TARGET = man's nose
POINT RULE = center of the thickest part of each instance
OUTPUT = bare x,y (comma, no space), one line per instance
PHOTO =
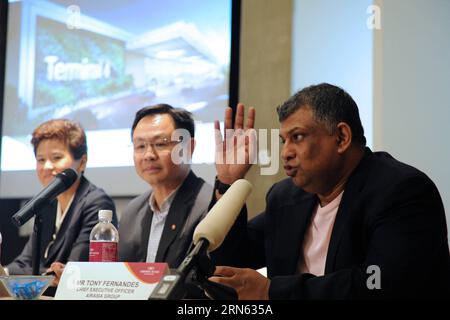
150,152
287,152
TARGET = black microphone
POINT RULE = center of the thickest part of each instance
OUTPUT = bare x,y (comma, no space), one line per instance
61,183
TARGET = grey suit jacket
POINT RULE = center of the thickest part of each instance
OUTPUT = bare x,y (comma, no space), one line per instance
72,240
135,223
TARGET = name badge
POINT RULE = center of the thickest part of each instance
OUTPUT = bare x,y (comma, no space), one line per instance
109,280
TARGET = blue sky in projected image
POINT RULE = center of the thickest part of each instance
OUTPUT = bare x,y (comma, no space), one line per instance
152,14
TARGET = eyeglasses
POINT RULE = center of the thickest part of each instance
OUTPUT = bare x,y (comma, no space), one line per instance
158,145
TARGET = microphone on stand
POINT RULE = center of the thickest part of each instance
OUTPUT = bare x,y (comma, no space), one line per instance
61,183
208,236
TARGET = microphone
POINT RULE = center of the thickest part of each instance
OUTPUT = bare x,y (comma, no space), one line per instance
208,236
61,183
218,222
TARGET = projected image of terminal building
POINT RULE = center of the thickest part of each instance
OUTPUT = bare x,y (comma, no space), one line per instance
99,73
98,62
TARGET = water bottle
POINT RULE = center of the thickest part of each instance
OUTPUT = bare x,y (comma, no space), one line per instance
104,239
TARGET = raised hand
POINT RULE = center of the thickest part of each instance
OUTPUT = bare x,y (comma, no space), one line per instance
238,150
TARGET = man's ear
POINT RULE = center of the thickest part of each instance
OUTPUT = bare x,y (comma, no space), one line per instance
190,151
344,137
192,146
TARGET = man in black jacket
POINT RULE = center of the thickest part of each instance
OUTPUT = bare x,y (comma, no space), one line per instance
348,223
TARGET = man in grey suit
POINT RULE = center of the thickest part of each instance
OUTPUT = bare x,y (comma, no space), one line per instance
158,225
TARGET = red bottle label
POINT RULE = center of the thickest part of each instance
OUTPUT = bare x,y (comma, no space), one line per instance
103,251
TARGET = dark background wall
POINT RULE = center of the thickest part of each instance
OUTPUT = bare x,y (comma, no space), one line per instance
12,243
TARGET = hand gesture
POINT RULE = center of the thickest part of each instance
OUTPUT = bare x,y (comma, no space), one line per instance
238,150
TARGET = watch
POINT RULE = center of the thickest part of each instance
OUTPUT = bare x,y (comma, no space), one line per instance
220,186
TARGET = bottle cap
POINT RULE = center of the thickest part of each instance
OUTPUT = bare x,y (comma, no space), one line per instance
105,214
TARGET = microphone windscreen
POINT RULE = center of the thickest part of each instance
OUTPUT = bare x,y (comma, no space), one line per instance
219,220
68,177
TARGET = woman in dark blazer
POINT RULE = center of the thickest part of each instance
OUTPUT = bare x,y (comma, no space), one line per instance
67,221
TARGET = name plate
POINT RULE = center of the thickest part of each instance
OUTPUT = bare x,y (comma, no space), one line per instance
109,280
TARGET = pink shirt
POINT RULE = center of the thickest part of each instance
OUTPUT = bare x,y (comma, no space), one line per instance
317,237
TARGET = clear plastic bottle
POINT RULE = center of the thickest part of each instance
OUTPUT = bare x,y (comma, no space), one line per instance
104,238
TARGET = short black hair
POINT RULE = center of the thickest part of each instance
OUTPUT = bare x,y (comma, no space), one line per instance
330,105
182,118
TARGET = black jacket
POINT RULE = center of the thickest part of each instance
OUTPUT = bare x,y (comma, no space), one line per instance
72,240
391,216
